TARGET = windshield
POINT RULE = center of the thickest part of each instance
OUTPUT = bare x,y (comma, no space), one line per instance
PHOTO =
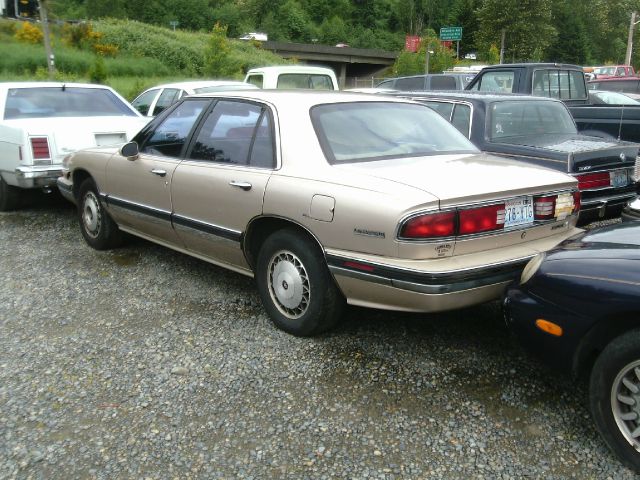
613,98
365,131
529,118
605,70
45,102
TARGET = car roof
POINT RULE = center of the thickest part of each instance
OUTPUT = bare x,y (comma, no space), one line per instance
192,84
307,98
482,97
290,68
51,85
534,65
614,79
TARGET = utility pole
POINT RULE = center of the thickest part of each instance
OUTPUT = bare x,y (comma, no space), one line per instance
502,47
42,7
627,57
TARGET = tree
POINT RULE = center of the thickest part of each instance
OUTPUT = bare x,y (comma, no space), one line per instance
464,14
106,8
571,45
218,61
333,31
527,25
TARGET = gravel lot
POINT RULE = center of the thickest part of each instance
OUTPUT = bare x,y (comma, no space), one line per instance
145,363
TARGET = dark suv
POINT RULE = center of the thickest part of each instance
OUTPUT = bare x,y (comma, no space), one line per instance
432,81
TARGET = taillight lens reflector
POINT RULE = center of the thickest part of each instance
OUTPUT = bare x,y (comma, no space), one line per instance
483,219
577,199
544,208
431,225
40,148
594,180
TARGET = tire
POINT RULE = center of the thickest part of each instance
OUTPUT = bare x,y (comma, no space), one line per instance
98,228
614,405
294,283
9,196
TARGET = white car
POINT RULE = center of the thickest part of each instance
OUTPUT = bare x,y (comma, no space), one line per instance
42,122
154,100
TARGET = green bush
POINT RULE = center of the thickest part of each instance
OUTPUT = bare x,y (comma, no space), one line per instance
144,51
180,51
98,72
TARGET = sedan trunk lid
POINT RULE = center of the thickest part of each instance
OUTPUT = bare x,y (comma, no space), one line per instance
467,178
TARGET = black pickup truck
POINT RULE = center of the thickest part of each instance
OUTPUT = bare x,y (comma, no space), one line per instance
567,83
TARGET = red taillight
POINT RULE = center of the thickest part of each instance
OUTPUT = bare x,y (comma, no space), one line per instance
431,225
544,208
577,198
483,219
40,148
594,180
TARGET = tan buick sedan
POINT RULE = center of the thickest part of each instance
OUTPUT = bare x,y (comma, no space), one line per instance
326,199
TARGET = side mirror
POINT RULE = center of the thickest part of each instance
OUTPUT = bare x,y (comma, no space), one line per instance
130,150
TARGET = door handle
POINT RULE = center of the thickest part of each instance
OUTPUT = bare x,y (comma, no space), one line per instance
160,173
243,185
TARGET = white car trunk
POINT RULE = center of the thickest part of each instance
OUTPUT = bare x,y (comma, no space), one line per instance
68,134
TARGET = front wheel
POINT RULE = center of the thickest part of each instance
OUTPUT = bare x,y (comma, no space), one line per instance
8,196
614,395
295,285
98,229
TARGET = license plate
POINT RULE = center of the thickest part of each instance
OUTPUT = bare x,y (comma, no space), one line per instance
619,178
518,211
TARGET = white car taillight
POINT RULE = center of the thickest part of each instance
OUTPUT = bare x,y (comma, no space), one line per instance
40,148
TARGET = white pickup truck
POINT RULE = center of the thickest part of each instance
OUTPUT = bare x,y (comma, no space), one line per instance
293,77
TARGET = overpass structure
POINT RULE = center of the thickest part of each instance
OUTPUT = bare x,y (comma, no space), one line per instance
348,63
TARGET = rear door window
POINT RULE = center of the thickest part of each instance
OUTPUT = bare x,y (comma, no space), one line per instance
461,118
410,83
237,133
168,97
443,108
442,82
144,101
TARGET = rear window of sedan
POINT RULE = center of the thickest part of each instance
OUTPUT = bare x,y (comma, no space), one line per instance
519,119
367,131
45,102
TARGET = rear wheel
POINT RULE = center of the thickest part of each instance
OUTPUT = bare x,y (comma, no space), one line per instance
98,229
295,285
614,395
8,196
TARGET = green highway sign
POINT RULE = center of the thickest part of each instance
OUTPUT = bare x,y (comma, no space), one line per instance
451,33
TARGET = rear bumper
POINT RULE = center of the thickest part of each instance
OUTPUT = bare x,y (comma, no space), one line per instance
34,176
604,207
424,285
392,289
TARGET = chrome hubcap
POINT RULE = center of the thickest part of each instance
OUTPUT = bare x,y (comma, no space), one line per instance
625,403
288,284
91,214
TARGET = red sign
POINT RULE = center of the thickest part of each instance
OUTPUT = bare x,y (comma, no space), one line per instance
446,43
412,43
